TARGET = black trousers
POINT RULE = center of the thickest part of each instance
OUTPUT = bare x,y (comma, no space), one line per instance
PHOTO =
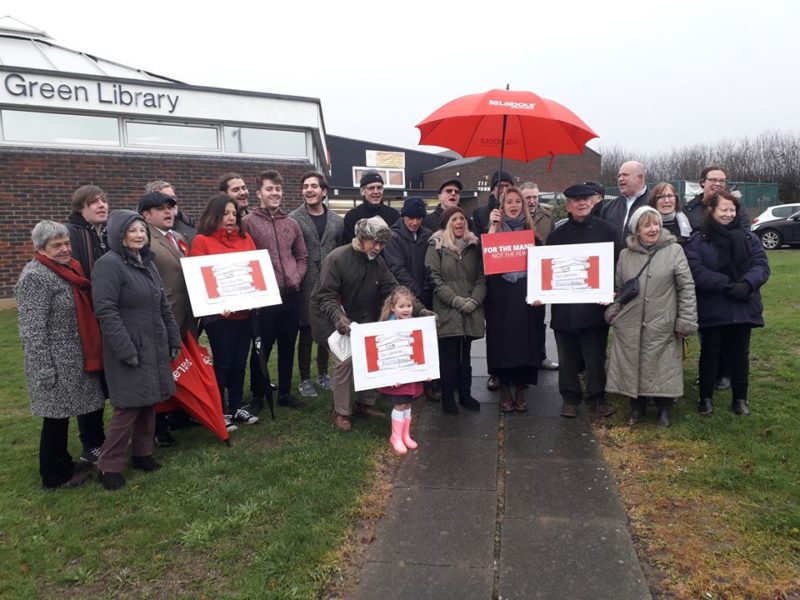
729,345
55,463
230,341
279,324
304,344
90,429
582,350
455,366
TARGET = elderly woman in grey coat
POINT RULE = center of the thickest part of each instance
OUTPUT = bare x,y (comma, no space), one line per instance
140,337
61,344
647,353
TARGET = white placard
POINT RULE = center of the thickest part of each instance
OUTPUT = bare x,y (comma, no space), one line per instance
571,273
232,281
390,352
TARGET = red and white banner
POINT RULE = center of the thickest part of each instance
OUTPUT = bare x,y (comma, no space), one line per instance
506,252
571,274
232,281
393,352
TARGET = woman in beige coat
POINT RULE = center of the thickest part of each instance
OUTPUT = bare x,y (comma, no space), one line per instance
646,354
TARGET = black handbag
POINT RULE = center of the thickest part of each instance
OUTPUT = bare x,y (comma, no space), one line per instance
630,289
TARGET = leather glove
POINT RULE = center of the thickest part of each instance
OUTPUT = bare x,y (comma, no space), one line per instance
739,291
470,306
132,362
426,313
173,353
343,325
458,302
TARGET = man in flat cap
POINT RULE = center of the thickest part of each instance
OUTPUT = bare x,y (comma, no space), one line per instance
449,195
372,206
168,246
580,329
479,222
352,286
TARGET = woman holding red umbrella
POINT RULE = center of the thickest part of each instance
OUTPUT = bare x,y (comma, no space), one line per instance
513,327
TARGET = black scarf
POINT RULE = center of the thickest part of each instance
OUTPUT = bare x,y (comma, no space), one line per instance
732,245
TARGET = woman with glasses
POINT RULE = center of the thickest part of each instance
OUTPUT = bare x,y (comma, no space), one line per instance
664,199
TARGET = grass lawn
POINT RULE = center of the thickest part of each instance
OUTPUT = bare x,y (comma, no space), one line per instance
714,502
268,517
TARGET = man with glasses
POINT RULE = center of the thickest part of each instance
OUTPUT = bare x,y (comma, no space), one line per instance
372,191
479,222
449,195
712,179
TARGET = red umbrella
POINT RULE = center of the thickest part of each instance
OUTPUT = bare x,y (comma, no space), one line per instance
196,389
506,123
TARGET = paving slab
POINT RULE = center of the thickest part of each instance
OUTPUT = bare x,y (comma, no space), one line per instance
578,559
465,463
437,527
481,425
561,488
407,581
534,438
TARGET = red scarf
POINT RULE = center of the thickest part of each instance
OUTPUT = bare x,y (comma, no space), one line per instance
88,328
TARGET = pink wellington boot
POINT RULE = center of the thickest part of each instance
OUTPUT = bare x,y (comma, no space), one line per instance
396,439
409,443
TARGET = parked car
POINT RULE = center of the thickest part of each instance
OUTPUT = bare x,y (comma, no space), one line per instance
775,213
776,233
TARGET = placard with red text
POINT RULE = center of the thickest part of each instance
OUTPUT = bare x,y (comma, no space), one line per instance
571,274
507,251
392,352
232,281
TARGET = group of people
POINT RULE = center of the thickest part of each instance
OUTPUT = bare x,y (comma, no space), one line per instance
113,280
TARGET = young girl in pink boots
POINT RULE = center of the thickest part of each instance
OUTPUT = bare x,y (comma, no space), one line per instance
400,305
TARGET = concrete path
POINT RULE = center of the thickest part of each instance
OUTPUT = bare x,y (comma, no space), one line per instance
503,506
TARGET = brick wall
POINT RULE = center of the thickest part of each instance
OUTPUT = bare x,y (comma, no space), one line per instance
567,170
38,184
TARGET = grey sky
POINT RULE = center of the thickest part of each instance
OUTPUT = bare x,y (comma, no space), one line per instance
644,75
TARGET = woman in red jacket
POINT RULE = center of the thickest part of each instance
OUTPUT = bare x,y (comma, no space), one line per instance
220,231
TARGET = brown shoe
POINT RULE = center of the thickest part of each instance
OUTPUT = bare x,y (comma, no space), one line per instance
78,479
605,410
493,383
433,395
341,422
569,410
364,411
520,403
507,404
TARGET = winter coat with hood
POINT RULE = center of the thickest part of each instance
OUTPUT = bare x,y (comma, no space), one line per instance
318,248
456,272
287,249
646,356
405,257
714,306
135,320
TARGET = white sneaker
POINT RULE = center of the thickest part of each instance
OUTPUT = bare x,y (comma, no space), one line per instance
306,389
324,381
244,417
229,423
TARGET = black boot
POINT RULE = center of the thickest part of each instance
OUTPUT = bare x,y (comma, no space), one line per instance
740,407
705,406
449,406
638,410
663,417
